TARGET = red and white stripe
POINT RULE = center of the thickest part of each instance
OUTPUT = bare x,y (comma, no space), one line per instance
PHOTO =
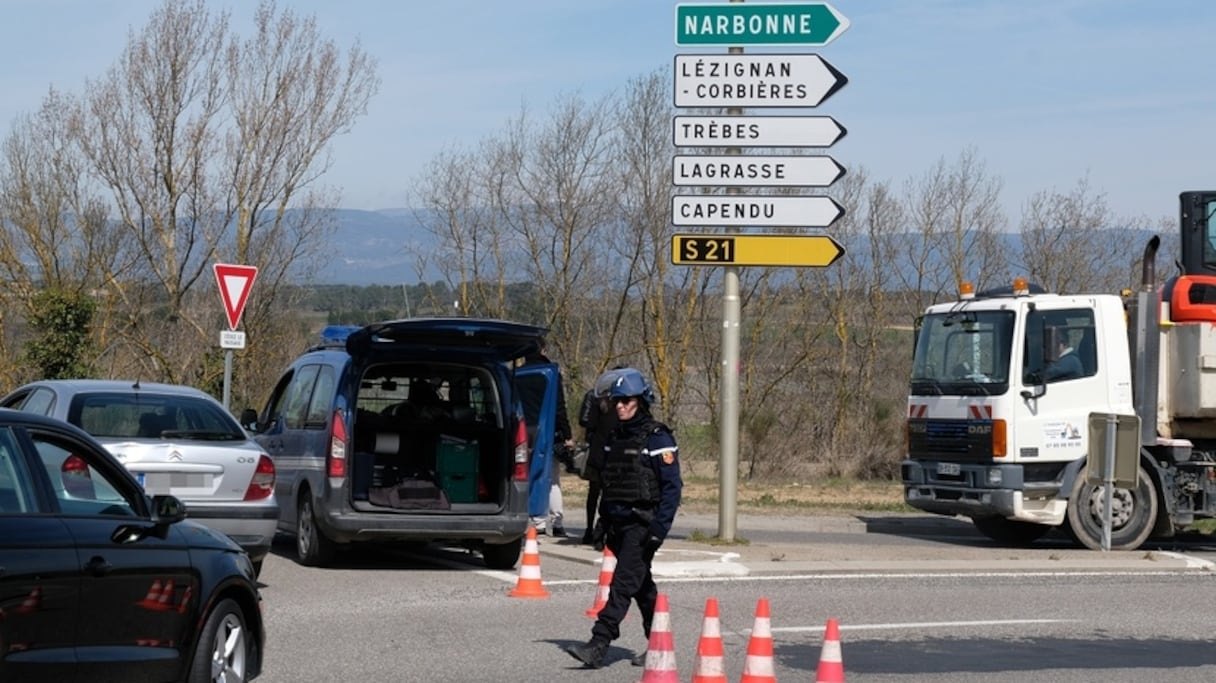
980,412
918,411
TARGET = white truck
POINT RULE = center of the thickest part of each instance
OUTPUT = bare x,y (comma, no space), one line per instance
998,433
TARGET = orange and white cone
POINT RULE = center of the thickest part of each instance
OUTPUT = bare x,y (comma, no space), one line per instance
152,599
32,602
607,567
831,666
710,666
758,667
660,649
529,583
165,602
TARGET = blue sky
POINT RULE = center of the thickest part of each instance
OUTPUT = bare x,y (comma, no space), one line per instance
1045,91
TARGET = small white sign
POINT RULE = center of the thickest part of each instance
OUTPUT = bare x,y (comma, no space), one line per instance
755,210
232,339
733,170
754,80
756,131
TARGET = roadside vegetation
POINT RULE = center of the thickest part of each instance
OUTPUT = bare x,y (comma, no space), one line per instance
199,146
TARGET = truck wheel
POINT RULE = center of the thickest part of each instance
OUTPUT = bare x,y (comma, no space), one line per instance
1010,531
1133,512
313,548
500,555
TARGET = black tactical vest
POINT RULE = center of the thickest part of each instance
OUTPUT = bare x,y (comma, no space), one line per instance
627,478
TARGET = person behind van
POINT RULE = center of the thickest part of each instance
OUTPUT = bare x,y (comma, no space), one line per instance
597,417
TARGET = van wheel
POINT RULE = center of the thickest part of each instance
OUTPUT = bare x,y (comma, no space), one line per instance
500,555
1133,512
313,548
1010,531
222,652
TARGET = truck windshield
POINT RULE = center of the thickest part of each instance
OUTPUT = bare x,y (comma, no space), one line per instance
963,352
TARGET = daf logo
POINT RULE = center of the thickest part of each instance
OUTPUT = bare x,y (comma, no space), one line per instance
979,429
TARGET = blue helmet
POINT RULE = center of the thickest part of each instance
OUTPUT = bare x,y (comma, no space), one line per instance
631,382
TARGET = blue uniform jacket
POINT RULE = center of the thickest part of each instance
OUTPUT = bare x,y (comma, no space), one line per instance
663,455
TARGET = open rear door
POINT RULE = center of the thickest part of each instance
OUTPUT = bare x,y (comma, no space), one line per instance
536,389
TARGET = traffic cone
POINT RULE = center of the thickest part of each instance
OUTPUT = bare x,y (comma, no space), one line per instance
660,649
607,567
185,602
32,602
165,602
710,666
152,599
529,584
831,666
758,667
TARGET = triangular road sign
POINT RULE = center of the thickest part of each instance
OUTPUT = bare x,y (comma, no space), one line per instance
235,282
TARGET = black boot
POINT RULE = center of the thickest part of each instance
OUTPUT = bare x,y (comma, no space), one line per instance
639,659
590,653
587,537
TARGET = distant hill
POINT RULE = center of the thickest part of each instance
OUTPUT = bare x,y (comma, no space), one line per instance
378,248
374,248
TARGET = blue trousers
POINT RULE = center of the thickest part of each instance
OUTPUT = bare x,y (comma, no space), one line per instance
631,580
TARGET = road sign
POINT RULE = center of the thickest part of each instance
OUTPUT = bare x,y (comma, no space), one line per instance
235,281
754,250
754,80
732,170
756,131
754,210
758,23
232,339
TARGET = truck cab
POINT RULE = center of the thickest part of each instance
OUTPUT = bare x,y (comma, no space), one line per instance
997,432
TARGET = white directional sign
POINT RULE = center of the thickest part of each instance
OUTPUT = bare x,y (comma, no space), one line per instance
755,171
754,80
754,211
756,131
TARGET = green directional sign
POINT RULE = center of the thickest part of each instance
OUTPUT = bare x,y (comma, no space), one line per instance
786,23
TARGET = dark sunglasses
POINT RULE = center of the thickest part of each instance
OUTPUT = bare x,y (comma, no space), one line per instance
624,399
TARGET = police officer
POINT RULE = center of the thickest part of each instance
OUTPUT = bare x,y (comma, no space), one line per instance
641,491
597,417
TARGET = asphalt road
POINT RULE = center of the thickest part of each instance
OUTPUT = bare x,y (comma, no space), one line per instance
914,602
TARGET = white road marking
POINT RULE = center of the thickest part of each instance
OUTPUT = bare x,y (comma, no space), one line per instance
923,625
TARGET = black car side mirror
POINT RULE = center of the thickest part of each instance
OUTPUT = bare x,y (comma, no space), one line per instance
167,510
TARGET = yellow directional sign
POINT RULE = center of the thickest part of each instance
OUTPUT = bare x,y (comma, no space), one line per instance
754,250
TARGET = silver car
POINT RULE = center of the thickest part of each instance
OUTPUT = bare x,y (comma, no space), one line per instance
176,440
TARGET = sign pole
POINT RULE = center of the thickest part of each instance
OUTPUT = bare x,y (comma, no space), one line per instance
728,464
227,378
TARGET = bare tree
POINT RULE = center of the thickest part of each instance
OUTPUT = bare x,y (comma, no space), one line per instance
210,148
956,224
1071,243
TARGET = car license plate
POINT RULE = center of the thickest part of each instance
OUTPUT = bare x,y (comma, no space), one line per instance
949,468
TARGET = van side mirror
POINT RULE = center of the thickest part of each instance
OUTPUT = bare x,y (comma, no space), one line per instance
249,419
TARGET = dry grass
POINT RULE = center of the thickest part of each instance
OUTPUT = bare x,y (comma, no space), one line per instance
829,497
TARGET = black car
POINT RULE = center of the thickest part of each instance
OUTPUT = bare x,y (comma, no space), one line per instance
100,582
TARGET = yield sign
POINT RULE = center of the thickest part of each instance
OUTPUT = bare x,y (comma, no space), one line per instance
235,282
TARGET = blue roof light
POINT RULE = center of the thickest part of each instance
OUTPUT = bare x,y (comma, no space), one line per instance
337,334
